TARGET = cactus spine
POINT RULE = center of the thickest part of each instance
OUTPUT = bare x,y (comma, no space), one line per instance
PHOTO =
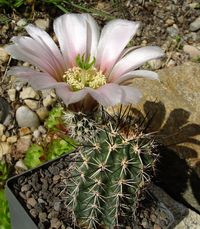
108,175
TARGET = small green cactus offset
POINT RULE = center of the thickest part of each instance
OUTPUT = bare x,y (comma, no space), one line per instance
109,174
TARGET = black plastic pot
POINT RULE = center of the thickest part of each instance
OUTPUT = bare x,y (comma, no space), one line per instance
19,214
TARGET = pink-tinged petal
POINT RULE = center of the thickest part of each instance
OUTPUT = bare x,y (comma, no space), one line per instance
93,33
131,95
71,32
136,74
134,60
36,79
107,95
114,38
30,50
47,42
68,96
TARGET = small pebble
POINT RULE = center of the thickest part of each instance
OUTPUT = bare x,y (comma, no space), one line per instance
26,117
31,201
42,216
24,131
42,23
195,25
28,93
12,94
2,129
33,212
4,57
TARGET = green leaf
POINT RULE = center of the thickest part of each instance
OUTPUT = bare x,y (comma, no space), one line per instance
4,212
4,172
54,119
59,147
34,156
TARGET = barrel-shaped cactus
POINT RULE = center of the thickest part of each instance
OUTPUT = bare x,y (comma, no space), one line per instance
109,174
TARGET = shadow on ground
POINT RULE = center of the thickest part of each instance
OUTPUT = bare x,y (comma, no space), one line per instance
173,173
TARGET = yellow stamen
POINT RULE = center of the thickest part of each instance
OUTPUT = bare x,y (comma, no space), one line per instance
78,78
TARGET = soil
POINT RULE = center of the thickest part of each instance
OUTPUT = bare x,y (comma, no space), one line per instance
43,195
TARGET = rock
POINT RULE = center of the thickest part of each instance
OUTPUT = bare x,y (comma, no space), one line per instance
20,164
42,216
191,221
36,134
173,30
31,201
55,223
169,21
194,52
195,25
28,93
4,56
155,64
194,5
22,22
23,143
42,23
5,148
12,139
48,101
3,138
2,129
42,129
171,63
26,117
192,36
42,113
24,131
12,94
32,104
175,116
184,217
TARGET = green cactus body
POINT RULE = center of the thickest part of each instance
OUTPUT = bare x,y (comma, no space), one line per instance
108,176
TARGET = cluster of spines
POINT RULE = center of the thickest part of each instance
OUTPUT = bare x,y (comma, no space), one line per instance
79,126
109,174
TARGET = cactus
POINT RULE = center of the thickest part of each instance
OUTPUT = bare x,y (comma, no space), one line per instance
109,173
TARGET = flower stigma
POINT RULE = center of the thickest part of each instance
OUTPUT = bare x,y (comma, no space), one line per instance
84,75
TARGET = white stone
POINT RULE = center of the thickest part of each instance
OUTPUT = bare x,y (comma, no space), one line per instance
20,164
2,129
26,117
4,56
195,25
155,64
170,21
48,101
193,51
3,138
42,130
22,22
173,30
12,94
23,143
32,104
36,134
12,139
42,113
5,148
28,93
42,23
171,63
194,5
